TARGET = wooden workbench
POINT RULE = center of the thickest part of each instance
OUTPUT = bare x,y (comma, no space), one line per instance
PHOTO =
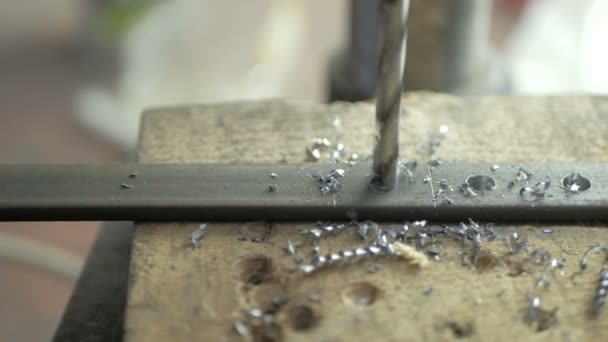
181,293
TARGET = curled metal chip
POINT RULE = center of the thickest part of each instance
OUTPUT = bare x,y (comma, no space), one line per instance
198,233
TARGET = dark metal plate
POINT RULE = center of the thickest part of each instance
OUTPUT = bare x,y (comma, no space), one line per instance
241,193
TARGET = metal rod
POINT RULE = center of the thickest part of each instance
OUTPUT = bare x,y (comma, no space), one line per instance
388,99
241,193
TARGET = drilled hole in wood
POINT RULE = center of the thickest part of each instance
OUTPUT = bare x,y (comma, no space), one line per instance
481,183
360,294
256,270
301,317
268,333
461,330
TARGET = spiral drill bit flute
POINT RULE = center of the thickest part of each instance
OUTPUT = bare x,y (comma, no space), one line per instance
388,98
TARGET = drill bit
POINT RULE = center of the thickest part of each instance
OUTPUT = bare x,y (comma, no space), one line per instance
388,97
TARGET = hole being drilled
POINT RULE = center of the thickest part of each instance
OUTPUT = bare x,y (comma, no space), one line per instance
575,182
301,317
461,330
256,270
360,294
481,183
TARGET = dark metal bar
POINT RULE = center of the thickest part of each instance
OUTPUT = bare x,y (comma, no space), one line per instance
390,88
241,193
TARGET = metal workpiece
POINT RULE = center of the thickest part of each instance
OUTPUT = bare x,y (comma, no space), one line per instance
209,193
389,90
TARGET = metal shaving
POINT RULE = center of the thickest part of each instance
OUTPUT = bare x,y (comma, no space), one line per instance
534,302
380,248
324,148
494,167
444,187
536,192
431,165
522,175
321,261
556,263
547,231
516,243
324,229
385,240
198,233
584,262
430,181
601,291
291,249
427,236
597,248
424,237
329,183
363,228
467,191
317,146
273,175
411,230
476,233
316,249
544,281
314,153
434,252
258,323
256,313
537,317
126,186
321,142
241,328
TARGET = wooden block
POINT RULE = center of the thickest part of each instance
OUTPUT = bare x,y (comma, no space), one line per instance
181,293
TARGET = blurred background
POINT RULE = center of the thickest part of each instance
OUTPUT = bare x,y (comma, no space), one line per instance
75,76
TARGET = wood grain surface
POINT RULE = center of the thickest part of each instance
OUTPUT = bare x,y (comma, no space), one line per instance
181,293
